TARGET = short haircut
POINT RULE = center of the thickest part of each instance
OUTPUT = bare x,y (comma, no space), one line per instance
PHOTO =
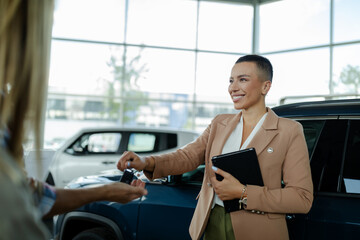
262,63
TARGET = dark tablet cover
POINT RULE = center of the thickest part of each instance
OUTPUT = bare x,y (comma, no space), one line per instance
244,166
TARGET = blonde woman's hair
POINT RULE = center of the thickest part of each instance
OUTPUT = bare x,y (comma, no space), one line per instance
25,38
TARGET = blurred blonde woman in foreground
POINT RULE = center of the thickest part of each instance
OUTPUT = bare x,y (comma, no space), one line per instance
25,38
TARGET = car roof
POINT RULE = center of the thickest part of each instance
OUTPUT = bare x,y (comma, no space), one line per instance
135,129
344,107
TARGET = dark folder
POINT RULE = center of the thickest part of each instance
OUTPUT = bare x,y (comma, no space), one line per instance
244,166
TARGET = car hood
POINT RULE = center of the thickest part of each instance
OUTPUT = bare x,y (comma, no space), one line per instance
103,177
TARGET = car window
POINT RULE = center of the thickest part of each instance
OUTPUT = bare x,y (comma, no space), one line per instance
195,176
312,130
103,142
79,146
327,158
141,142
351,172
96,143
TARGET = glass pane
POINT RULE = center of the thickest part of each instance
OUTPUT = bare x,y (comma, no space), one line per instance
312,130
346,20
70,107
81,68
162,22
326,161
163,71
346,69
62,123
206,112
151,113
67,114
212,78
141,142
80,145
351,172
225,26
104,142
300,73
90,20
294,24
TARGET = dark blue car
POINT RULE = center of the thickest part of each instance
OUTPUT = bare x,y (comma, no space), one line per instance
332,132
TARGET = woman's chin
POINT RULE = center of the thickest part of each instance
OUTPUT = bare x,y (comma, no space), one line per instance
238,107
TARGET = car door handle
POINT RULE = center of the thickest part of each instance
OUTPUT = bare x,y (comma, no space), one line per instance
108,162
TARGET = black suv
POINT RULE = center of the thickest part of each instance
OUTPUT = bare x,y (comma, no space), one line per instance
332,132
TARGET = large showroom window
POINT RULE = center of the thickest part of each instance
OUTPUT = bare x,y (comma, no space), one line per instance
166,63
162,23
97,20
297,24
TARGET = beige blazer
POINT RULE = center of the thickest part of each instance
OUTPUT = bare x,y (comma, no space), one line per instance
282,154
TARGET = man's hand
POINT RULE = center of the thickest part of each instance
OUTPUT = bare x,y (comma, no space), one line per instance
227,189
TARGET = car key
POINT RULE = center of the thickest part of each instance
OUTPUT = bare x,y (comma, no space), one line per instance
127,176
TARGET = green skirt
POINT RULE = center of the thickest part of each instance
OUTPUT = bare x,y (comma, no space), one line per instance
219,225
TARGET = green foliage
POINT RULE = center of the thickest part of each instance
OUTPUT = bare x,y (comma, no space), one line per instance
350,75
126,74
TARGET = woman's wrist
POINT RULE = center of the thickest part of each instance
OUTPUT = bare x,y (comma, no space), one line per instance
243,198
149,164
243,192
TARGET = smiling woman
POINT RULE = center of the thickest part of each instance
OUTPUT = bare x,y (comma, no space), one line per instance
282,154
248,85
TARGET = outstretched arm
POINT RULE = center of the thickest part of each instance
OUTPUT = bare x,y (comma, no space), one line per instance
65,200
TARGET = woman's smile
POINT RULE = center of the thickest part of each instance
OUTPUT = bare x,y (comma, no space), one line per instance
237,98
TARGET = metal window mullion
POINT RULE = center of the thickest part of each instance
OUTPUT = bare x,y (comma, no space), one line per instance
255,35
122,102
194,102
331,47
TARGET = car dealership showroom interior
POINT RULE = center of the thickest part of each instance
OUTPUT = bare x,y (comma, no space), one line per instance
180,119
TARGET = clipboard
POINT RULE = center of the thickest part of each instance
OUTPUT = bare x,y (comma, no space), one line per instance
244,166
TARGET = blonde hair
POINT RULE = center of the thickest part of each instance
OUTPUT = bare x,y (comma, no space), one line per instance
25,39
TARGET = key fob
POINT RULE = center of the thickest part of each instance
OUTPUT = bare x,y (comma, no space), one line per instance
127,176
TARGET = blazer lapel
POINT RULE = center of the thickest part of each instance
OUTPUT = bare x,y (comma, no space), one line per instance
266,133
224,129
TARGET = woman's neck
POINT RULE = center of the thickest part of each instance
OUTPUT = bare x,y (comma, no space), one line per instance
253,116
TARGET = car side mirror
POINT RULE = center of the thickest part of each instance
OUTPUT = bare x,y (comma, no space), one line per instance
86,149
80,150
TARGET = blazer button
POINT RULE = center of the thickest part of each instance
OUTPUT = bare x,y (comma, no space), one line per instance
209,184
270,150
